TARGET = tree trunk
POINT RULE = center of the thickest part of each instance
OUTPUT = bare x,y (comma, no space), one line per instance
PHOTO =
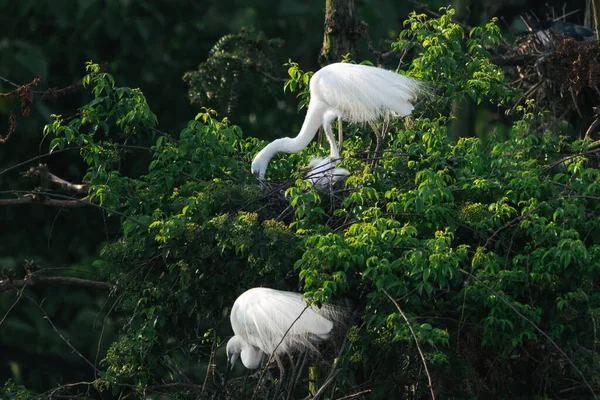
342,30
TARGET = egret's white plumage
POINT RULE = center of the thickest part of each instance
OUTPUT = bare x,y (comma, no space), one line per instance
324,172
350,92
267,321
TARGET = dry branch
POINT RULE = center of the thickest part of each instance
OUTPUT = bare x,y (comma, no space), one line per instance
12,125
43,173
34,199
6,285
68,343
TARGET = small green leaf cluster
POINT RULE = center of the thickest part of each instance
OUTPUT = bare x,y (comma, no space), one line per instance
12,391
298,81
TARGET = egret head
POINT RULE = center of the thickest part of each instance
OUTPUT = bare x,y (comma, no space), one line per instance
259,165
234,348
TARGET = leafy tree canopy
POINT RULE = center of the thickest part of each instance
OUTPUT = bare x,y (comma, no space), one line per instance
477,259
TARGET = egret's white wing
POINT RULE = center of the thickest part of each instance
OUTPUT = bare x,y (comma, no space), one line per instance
263,316
362,93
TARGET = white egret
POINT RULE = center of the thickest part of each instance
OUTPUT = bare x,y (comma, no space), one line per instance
324,172
268,321
349,92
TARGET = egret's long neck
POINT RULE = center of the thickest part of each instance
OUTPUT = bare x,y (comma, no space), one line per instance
310,126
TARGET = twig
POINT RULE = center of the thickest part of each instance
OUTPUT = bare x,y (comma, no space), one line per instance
562,160
104,325
211,359
275,350
355,394
416,342
9,82
85,202
537,328
511,222
595,338
61,335
404,53
299,367
50,393
333,373
72,148
330,378
593,126
37,158
14,304
175,368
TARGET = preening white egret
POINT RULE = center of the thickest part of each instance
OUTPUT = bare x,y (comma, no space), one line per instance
267,321
349,92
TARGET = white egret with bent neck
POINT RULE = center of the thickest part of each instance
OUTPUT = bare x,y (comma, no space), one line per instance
274,322
349,92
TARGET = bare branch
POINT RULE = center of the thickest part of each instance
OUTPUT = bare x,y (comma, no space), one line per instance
25,93
37,158
43,172
31,280
60,334
12,125
84,201
34,199
14,304
9,82
75,187
355,394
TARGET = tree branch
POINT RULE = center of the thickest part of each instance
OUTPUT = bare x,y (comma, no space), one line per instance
355,394
37,158
30,280
43,172
34,199
84,201
47,318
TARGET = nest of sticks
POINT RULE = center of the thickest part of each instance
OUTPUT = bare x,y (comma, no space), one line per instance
561,74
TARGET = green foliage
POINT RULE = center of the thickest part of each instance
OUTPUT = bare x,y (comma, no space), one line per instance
461,62
490,250
232,62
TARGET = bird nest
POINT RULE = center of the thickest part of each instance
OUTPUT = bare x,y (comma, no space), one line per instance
560,73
